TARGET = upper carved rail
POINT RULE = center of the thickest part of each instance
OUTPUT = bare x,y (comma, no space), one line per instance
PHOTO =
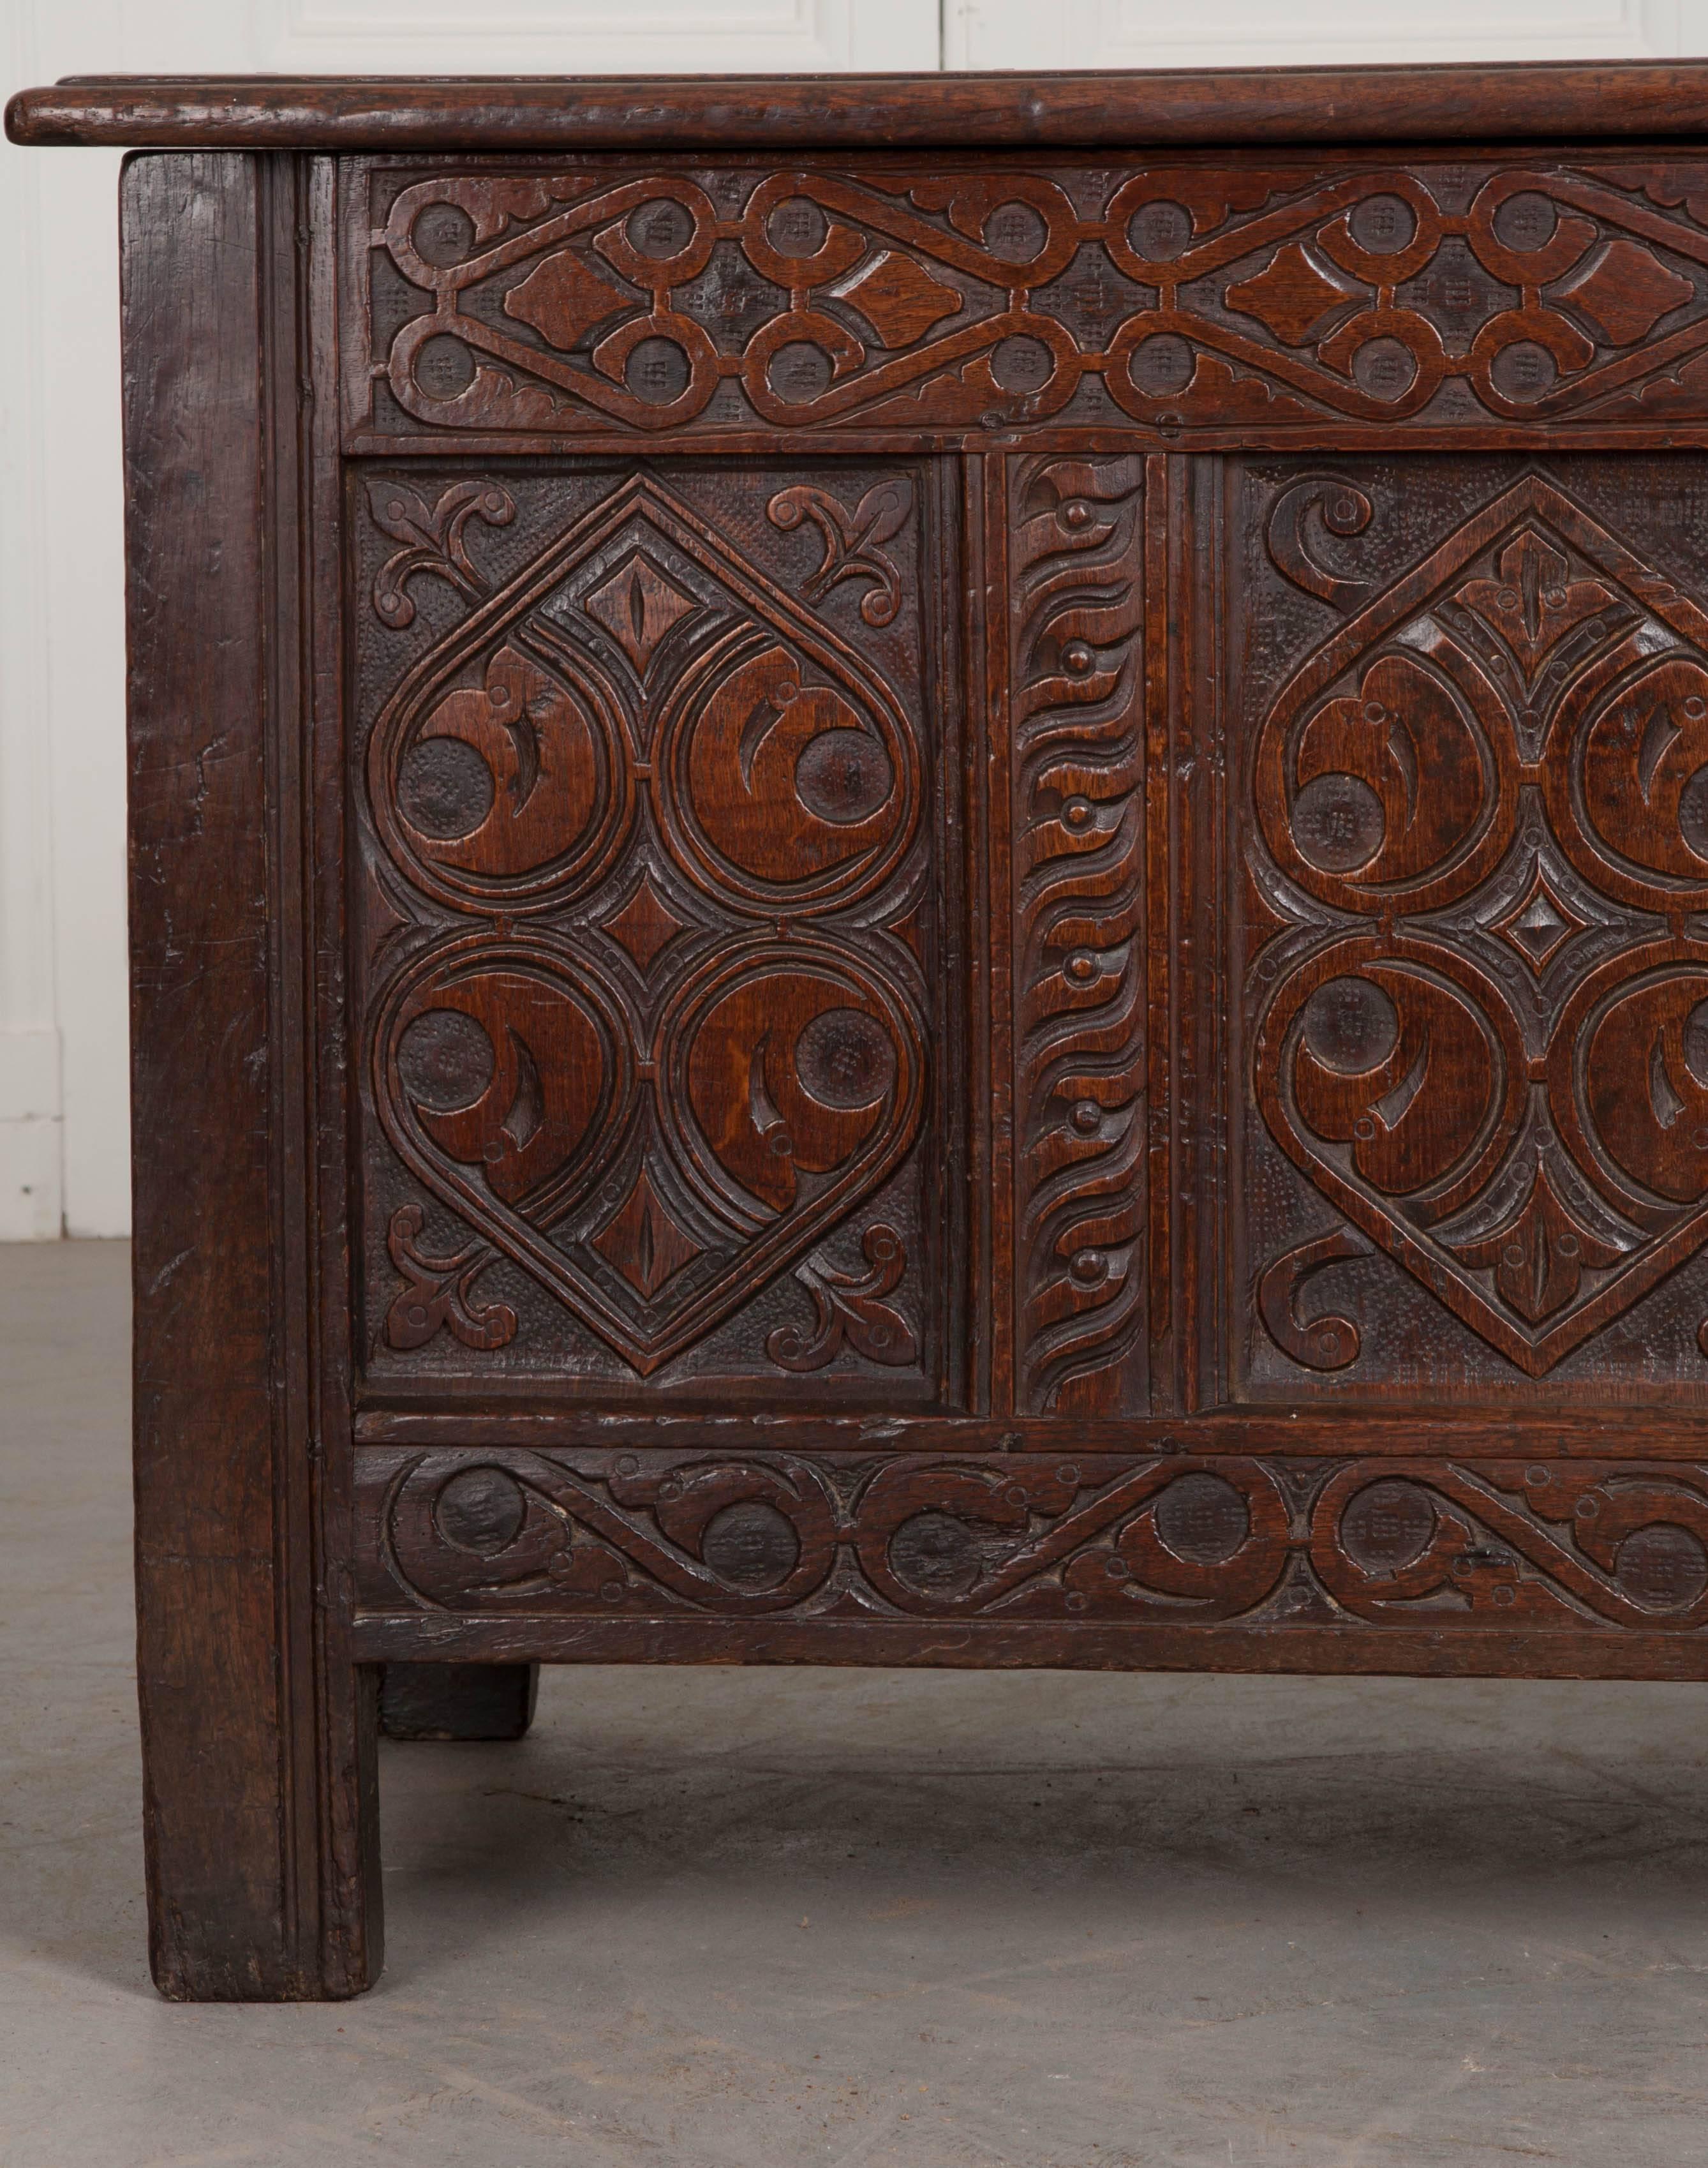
1113,110
1281,297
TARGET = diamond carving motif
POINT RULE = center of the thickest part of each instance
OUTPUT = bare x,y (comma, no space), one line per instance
563,299
1297,295
643,1243
638,606
644,924
1520,719
1626,290
1539,923
899,298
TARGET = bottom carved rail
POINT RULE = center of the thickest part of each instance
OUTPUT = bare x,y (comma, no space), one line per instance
1173,1539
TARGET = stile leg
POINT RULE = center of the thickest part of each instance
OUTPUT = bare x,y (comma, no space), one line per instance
259,1756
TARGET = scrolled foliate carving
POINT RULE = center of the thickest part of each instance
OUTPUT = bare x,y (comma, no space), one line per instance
440,1291
1346,1545
849,1309
431,535
1321,1342
1540,1543
853,539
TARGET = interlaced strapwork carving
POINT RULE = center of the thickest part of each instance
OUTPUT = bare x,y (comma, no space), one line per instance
1452,294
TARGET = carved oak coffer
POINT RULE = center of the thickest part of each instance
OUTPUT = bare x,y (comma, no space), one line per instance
900,894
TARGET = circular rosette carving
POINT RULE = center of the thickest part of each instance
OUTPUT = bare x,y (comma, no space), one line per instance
1628,1079
792,237
760,1537
664,235
505,1059
803,1070
1646,1531
534,1535
1393,794
933,1540
666,363
498,785
1394,356
462,1532
1630,800
1395,1072
1389,1541
793,787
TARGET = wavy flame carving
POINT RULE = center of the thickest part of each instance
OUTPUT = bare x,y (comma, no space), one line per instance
1079,895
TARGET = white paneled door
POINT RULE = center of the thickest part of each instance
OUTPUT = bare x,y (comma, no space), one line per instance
63,1158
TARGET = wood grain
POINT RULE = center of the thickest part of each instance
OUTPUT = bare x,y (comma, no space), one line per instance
1521,102
259,1820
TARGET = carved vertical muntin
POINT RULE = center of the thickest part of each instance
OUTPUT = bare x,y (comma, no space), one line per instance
1076,596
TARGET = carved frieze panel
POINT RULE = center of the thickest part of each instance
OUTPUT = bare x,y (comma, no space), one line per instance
1165,1540
1471,954
655,1048
612,298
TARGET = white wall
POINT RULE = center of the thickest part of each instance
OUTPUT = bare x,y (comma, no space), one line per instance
1054,34
63,1157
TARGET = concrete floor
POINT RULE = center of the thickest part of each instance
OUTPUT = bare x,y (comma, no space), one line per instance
716,1920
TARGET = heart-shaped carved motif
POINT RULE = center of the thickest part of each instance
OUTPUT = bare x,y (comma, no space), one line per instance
1501,1077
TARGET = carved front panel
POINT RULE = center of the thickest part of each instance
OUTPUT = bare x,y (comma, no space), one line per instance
1469,787
617,299
650,926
